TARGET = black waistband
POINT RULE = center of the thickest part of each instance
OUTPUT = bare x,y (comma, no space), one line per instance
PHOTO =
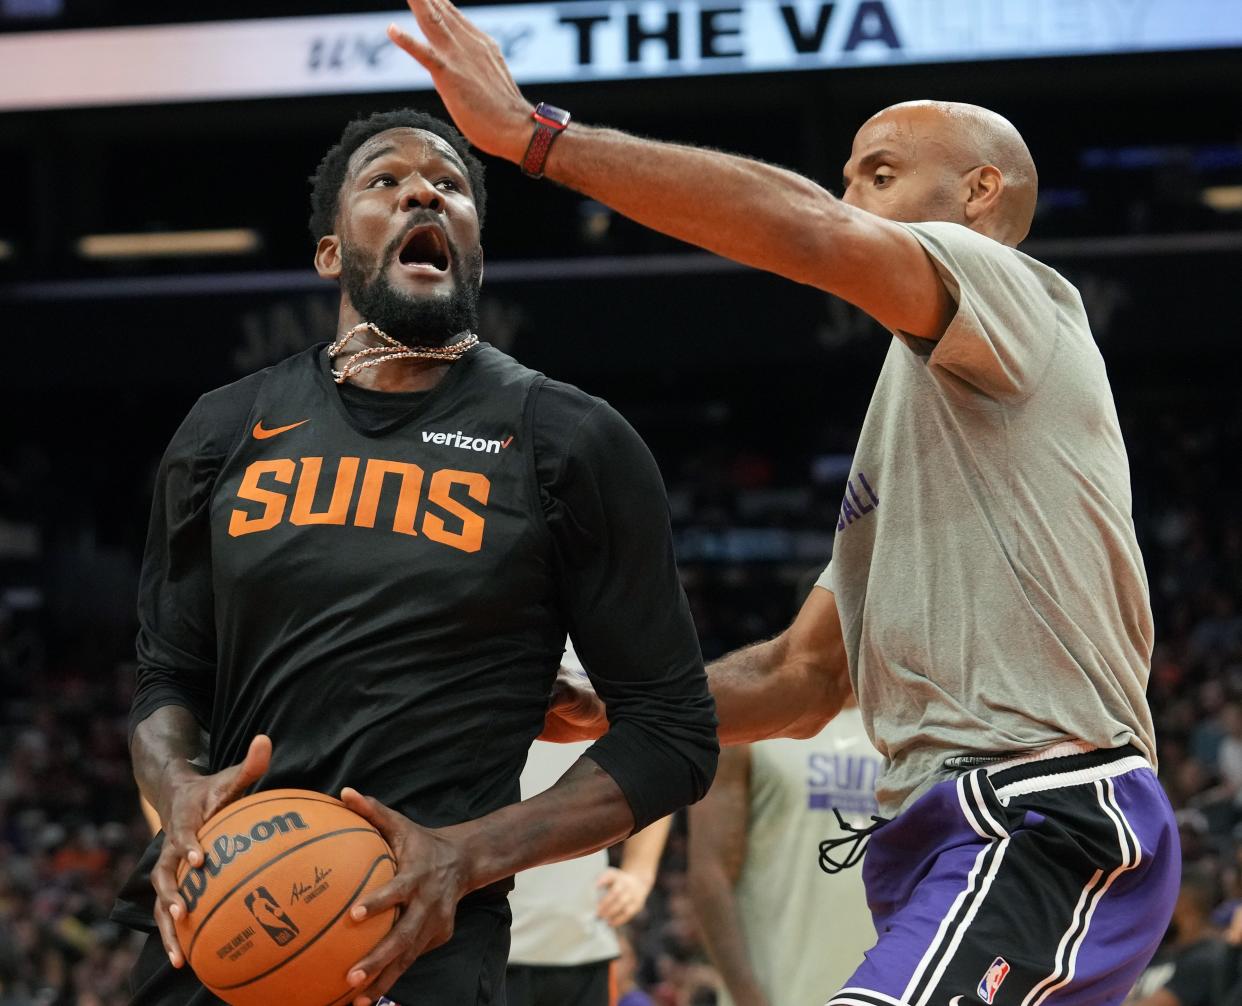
1043,767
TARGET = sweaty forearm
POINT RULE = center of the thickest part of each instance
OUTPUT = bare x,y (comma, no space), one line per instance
163,747
754,213
763,691
585,811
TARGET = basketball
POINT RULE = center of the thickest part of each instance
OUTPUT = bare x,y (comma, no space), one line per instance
268,911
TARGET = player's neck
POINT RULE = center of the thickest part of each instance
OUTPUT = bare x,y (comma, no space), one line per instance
401,375
391,375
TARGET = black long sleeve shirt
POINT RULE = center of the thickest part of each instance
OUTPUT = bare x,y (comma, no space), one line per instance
383,583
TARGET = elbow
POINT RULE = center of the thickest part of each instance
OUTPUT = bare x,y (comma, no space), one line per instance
815,715
809,726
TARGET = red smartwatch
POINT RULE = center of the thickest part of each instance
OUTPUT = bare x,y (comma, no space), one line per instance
550,122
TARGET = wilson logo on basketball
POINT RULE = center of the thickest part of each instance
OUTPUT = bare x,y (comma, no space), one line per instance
226,849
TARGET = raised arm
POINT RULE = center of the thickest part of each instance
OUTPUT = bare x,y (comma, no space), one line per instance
718,840
754,213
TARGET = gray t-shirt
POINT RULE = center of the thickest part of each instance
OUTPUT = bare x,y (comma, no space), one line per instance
991,590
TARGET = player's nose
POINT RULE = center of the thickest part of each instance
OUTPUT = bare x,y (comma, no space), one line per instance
418,193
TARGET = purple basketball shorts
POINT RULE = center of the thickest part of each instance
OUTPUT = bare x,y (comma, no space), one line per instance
1044,881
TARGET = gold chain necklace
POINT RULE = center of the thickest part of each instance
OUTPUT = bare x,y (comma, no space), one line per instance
373,356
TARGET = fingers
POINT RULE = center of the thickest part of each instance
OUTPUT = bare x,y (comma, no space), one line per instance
168,903
382,983
384,820
623,900
182,841
617,909
619,913
422,52
168,936
375,975
430,20
414,934
258,757
252,768
451,15
233,782
440,22
613,885
398,890
393,894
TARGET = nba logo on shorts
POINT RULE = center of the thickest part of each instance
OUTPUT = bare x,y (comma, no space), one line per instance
992,979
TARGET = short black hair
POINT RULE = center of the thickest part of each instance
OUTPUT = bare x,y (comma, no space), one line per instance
328,178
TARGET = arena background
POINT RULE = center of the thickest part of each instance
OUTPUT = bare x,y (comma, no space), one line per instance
749,389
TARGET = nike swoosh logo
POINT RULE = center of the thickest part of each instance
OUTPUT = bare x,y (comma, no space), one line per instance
955,1001
261,434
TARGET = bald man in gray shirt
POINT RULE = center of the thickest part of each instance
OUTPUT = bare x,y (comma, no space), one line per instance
987,598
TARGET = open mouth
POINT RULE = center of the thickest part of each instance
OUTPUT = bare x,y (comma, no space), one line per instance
425,246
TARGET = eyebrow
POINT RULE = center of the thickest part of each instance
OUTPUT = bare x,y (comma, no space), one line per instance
874,158
449,156
374,155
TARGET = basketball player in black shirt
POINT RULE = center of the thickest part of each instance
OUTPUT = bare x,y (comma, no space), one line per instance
361,567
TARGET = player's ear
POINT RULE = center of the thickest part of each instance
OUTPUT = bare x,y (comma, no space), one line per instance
986,183
328,257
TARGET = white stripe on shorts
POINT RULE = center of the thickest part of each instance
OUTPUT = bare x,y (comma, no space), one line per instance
1131,856
863,997
1082,777
949,936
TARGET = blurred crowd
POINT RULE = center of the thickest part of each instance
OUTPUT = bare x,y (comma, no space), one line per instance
70,826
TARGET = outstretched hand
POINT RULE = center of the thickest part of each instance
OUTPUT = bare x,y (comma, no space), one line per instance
187,801
472,77
432,876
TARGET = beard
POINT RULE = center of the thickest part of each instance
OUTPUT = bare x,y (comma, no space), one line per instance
412,321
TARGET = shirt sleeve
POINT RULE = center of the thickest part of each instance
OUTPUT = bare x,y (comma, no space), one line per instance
1005,329
176,645
624,605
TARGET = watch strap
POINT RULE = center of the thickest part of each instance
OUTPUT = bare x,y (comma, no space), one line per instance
547,129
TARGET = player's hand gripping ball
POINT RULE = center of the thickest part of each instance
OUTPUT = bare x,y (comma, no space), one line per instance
268,917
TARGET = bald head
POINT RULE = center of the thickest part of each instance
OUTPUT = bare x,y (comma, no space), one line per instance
943,160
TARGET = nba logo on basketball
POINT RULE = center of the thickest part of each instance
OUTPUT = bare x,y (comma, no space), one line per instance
992,979
267,913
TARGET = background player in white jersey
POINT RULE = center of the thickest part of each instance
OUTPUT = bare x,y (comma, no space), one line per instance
563,939
987,596
779,931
